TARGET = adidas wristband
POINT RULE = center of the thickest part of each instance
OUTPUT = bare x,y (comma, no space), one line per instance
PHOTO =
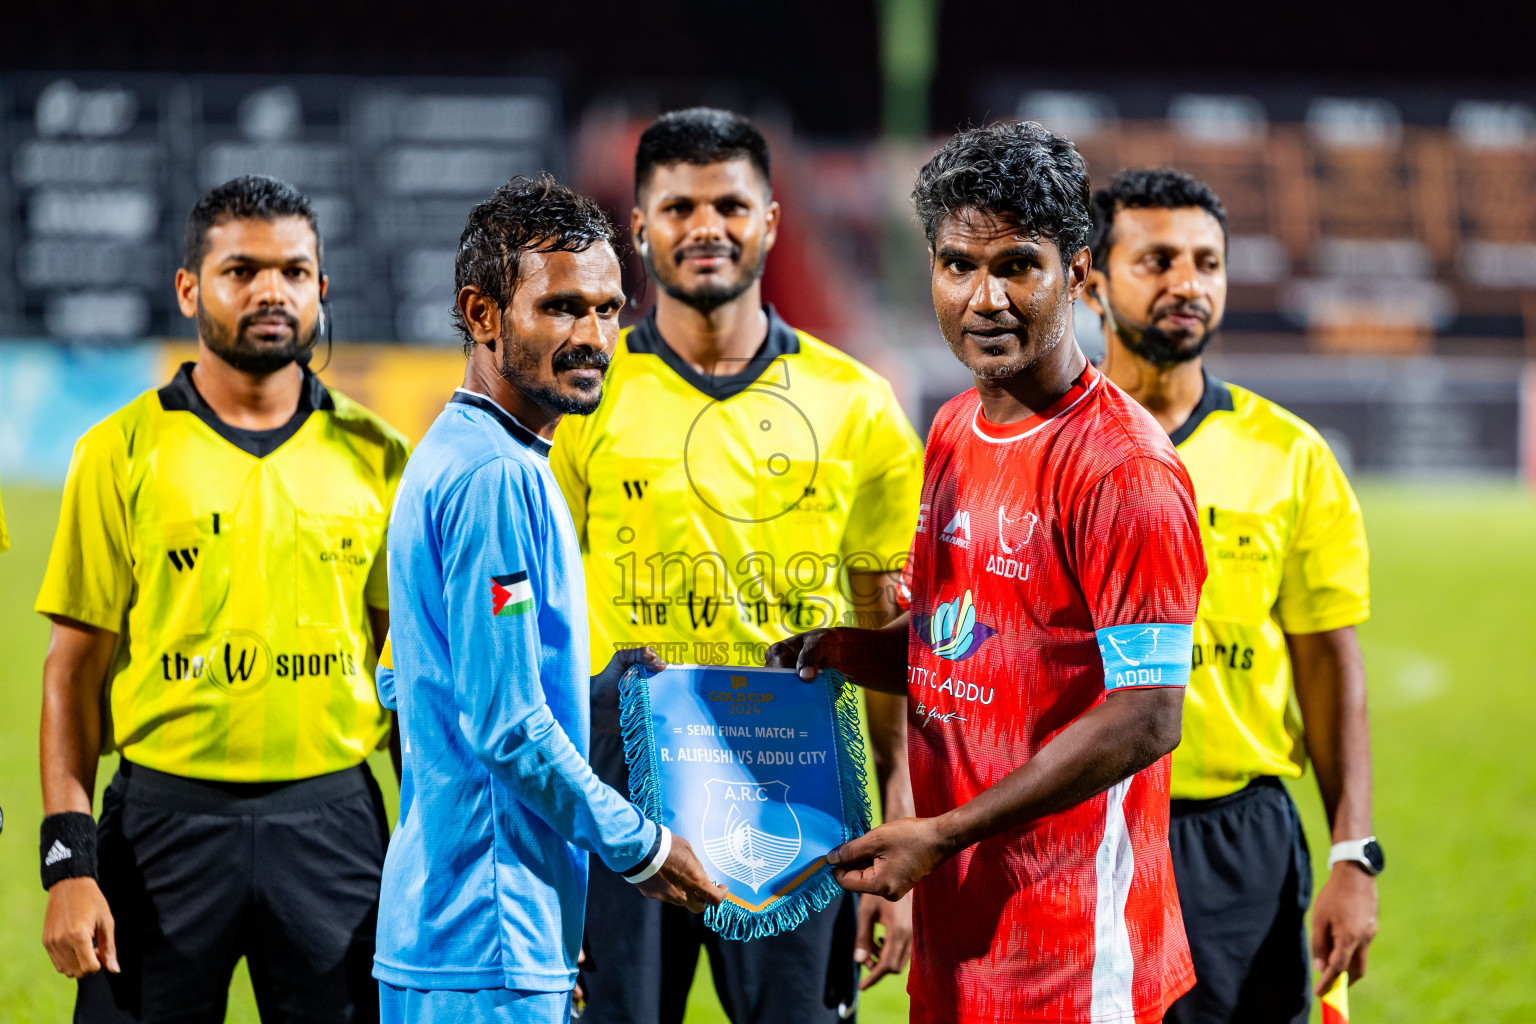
68,847
652,864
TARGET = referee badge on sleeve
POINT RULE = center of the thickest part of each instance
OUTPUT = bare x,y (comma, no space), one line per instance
511,595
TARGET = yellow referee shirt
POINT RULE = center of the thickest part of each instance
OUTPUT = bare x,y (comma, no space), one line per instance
5,537
1286,553
718,514
236,568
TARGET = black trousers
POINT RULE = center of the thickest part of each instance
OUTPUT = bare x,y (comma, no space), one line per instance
642,954
199,874
1245,882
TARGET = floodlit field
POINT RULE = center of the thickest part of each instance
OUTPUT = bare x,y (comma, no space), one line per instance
1450,653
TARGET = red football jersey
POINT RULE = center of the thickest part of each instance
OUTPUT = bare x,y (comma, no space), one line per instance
1033,535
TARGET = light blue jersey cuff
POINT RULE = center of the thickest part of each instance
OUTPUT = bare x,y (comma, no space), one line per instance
1145,654
384,683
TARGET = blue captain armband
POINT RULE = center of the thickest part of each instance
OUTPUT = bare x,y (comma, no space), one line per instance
1145,654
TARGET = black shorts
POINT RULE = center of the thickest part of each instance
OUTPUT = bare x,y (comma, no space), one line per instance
199,874
642,953
1245,881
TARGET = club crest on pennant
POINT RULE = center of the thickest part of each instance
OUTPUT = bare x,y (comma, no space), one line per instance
749,829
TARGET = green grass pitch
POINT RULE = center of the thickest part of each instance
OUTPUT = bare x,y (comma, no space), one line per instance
1450,651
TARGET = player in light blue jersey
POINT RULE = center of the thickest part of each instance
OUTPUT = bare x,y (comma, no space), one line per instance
485,881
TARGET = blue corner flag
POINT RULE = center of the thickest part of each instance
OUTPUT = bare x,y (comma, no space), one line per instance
762,773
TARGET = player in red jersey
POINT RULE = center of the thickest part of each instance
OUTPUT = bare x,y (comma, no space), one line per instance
1054,579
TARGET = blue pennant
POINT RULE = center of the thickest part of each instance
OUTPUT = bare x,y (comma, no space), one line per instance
762,773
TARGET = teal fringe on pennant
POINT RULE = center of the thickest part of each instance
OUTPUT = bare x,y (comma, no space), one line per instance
817,892
851,766
639,743
737,922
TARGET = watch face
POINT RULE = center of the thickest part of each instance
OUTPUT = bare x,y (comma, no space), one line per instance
1373,854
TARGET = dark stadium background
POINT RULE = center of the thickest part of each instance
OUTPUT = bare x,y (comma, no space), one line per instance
1379,161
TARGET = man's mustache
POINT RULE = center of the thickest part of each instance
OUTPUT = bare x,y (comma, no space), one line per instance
580,359
999,325
1199,310
707,249
267,316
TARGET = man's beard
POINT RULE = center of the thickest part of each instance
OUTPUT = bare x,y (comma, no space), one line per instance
520,369
712,294
1023,360
238,350
1155,345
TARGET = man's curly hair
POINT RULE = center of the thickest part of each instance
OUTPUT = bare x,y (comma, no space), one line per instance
1147,188
524,215
1013,169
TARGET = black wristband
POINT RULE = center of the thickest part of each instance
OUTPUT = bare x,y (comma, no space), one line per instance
650,855
68,847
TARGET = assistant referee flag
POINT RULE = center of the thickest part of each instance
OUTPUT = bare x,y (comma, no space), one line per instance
237,568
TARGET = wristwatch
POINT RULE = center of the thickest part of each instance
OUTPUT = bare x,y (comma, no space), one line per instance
1365,852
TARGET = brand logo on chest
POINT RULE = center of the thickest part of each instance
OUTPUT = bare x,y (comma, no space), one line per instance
958,530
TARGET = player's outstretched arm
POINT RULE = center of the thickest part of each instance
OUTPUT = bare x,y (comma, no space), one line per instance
78,929
1130,730
1329,675
680,878
874,658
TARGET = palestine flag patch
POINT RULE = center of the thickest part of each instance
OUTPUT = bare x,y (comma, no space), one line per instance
511,595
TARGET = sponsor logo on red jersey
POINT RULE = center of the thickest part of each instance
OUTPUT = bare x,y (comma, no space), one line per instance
953,632
958,532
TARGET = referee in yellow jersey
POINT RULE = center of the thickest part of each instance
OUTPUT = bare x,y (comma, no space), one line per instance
740,482
216,586
1277,675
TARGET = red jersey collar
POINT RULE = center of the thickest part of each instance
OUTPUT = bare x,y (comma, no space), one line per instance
1001,433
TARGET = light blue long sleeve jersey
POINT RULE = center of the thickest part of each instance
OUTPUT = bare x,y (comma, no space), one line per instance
485,882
